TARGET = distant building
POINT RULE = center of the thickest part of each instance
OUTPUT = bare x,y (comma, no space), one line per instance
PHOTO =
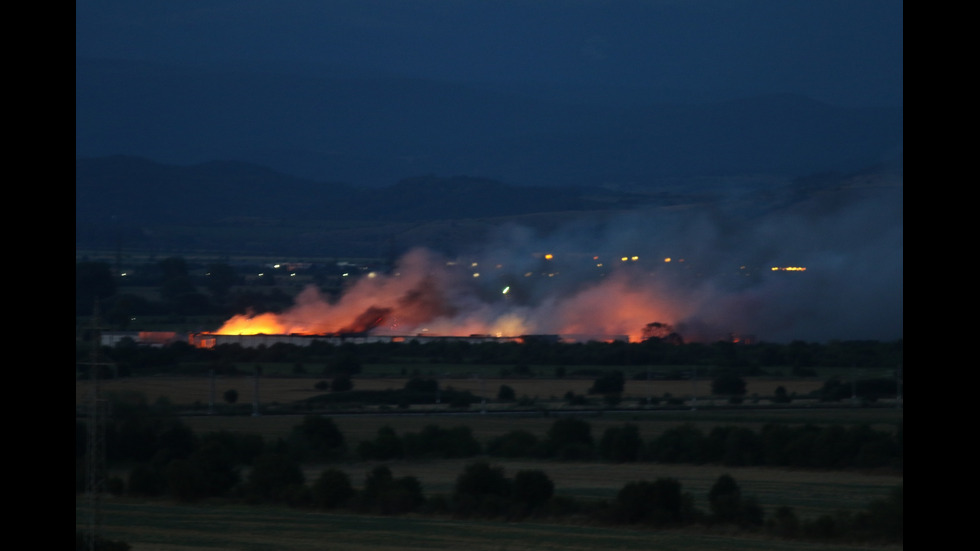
143,338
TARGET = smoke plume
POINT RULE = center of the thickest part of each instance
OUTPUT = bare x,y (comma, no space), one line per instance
708,272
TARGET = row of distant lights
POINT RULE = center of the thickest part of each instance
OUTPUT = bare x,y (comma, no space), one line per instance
276,267
550,256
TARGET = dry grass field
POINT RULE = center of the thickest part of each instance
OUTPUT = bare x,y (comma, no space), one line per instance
160,526
164,526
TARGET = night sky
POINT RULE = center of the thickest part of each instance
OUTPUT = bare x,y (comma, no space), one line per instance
844,52
841,54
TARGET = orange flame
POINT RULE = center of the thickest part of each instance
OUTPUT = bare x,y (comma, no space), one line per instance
423,297
267,324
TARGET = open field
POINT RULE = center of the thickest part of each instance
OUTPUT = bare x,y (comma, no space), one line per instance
161,526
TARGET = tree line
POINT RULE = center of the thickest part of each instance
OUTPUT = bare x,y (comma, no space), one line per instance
164,457
673,360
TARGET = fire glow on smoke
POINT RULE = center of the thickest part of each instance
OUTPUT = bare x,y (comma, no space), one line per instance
824,269
427,294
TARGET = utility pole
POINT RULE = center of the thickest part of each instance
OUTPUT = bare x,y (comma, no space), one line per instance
96,468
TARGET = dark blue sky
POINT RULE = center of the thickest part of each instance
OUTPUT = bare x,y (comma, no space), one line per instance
721,96
843,52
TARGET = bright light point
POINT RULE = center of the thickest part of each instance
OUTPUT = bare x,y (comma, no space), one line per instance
276,266
634,258
372,275
624,259
477,274
599,265
474,264
345,274
292,274
667,259
506,289
549,256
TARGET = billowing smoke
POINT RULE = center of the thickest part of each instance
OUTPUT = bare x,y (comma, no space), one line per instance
708,273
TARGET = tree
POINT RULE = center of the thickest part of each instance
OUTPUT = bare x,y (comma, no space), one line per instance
481,479
725,499
728,383
784,523
481,489
659,503
506,394
231,396
532,488
611,383
621,443
216,461
435,441
385,446
516,443
272,475
570,438
186,480
728,505
387,495
781,396
316,438
332,489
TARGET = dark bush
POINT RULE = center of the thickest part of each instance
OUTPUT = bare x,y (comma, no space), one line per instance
332,489
271,476
516,443
657,503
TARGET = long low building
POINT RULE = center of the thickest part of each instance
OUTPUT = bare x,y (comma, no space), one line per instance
144,338
212,340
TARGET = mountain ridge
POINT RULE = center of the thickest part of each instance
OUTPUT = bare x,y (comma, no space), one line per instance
231,205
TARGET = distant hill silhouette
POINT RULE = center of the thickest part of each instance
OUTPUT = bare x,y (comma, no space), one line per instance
145,202
233,207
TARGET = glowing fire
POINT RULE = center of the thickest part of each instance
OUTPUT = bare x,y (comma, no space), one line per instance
253,325
424,296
